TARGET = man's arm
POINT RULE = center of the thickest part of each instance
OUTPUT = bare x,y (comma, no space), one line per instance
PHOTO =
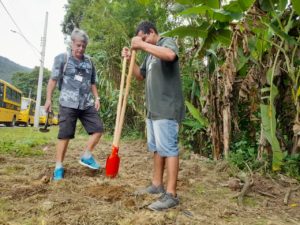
160,52
50,87
136,69
97,98
137,72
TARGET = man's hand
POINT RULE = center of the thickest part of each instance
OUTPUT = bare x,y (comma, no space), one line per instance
126,53
97,104
48,106
137,43
50,87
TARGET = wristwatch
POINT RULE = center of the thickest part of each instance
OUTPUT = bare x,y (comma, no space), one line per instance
98,98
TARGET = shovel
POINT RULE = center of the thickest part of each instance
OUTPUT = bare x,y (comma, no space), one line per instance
45,128
113,161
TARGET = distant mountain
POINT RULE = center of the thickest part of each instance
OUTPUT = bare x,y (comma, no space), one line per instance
8,68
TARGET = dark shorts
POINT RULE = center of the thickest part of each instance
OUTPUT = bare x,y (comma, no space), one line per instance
68,118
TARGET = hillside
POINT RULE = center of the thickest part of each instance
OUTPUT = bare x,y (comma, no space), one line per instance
8,68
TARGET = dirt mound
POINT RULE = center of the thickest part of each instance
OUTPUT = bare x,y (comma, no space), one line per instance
109,193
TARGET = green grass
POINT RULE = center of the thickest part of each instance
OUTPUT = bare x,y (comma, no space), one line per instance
25,141
28,141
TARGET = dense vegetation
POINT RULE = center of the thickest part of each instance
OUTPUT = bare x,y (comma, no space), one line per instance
240,70
8,68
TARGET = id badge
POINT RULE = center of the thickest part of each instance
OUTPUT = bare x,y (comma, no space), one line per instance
78,78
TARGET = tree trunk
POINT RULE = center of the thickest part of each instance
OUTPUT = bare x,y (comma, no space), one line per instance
215,120
229,71
264,146
296,138
226,129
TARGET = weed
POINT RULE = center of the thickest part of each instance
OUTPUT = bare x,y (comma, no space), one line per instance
242,154
199,189
291,165
250,202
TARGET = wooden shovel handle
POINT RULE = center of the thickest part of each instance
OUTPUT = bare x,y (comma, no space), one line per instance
119,107
124,103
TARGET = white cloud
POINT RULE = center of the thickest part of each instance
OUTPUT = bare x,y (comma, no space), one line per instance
30,17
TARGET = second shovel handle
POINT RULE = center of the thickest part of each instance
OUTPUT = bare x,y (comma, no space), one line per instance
119,107
124,103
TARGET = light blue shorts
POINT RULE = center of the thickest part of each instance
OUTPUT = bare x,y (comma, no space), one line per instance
162,137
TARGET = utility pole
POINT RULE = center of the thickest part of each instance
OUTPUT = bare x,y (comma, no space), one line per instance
29,95
40,82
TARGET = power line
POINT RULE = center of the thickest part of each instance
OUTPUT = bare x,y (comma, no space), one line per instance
19,30
35,50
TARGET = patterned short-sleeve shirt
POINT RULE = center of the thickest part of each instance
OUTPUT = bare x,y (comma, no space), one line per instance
77,80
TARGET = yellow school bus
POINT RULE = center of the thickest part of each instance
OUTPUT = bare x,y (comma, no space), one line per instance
10,103
26,116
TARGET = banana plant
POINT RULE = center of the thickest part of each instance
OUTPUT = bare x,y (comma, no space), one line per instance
280,27
268,117
212,26
201,121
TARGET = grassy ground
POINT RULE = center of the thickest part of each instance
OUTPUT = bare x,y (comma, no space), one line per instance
30,197
25,141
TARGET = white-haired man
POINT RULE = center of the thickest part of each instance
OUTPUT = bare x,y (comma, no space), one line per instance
78,100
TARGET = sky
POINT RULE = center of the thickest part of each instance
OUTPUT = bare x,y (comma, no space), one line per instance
29,15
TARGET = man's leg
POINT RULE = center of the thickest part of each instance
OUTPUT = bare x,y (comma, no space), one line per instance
158,169
166,135
61,149
156,186
169,199
93,126
67,126
87,158
172,174
93,141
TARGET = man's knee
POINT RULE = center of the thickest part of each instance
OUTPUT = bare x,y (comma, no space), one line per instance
97,135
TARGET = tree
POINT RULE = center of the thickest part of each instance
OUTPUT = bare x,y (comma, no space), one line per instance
27,83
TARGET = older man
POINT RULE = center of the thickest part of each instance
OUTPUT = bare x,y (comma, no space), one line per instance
78,100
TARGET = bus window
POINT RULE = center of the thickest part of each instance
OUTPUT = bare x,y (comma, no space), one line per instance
25,104
8,93
1,91
19,97
14,96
